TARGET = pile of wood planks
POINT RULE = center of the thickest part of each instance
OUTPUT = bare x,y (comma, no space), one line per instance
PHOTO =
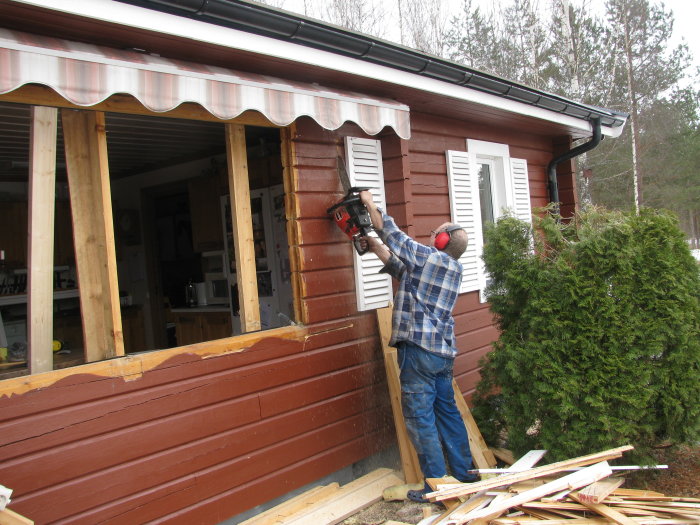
576,491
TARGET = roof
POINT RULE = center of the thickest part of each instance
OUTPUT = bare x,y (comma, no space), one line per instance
274,42
289,27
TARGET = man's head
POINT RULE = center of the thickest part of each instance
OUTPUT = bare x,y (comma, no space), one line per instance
450,238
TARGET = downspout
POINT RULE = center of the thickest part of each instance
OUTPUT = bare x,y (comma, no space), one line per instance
578,150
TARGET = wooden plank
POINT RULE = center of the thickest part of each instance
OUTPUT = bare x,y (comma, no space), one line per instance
576,480
529,460
294,505
481,455
503,454
545,470
350,499
597,492
93,231
42,199
604,510
10,517
242,224
409,460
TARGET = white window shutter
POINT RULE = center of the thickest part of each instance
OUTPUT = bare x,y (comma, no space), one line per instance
521,190
463,179
364,165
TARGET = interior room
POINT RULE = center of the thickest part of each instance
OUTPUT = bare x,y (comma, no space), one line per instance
173,236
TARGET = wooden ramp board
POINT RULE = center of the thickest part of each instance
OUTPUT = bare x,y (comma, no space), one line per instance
298,504
347,500
10,517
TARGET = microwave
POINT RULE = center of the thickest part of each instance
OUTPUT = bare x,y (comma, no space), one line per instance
217,288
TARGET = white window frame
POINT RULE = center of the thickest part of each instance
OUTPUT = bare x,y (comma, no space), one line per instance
510,192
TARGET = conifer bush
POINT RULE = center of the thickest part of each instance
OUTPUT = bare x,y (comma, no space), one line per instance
600,334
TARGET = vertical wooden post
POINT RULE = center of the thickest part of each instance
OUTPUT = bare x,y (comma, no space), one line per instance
93,232
42,199
242,224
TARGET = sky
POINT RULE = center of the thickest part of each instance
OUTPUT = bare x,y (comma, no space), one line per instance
686,17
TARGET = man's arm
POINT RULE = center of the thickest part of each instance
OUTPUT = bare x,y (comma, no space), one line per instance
374,213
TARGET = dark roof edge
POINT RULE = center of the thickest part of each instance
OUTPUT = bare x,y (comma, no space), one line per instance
282,25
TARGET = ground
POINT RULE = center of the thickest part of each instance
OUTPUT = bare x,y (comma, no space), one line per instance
682,478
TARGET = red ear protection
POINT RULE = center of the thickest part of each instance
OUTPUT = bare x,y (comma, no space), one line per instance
443,238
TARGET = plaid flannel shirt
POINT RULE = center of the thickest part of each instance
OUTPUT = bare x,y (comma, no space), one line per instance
429,282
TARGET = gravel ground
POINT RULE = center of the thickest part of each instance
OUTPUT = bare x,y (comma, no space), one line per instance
682,478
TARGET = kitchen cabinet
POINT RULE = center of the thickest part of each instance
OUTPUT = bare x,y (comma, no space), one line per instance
199,325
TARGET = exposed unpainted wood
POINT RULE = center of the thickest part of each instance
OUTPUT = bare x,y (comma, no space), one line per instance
508,479
503,454
133,366
573,481
42,198
10,517
481,455
604,510
597,492
242,224
93,231
350,499
409,459
297,504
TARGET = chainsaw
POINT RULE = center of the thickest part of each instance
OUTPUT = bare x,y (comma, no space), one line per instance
350,213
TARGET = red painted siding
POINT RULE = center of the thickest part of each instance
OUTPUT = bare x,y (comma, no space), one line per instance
198,440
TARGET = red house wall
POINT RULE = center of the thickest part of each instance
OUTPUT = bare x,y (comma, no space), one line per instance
198,440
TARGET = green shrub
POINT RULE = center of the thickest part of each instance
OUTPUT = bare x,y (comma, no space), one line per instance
600,335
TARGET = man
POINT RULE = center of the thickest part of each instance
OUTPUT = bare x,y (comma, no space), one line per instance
423,333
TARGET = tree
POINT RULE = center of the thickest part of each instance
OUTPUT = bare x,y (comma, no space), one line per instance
424,25
363,16
599,334
472,38
525,47
639,37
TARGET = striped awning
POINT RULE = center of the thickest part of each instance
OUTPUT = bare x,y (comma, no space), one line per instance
86,74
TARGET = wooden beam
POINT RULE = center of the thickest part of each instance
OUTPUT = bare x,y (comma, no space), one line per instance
242,224
93,232
481,454
409,460
42,200
44,96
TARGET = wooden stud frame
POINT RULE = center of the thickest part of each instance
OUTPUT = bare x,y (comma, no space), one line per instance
93,232
242,224
88,178
42,198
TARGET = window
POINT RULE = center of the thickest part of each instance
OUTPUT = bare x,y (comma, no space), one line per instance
161,269
484,183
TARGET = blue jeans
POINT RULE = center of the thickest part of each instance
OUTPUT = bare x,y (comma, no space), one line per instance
433,420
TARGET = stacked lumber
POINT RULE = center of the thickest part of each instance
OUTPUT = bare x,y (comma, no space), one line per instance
576,491
331,503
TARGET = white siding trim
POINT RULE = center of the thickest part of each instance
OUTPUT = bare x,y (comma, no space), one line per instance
364,164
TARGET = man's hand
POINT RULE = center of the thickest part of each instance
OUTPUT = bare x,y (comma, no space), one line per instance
375,215
370,243
366,198
376,247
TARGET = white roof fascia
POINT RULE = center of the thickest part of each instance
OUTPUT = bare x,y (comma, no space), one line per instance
156,21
